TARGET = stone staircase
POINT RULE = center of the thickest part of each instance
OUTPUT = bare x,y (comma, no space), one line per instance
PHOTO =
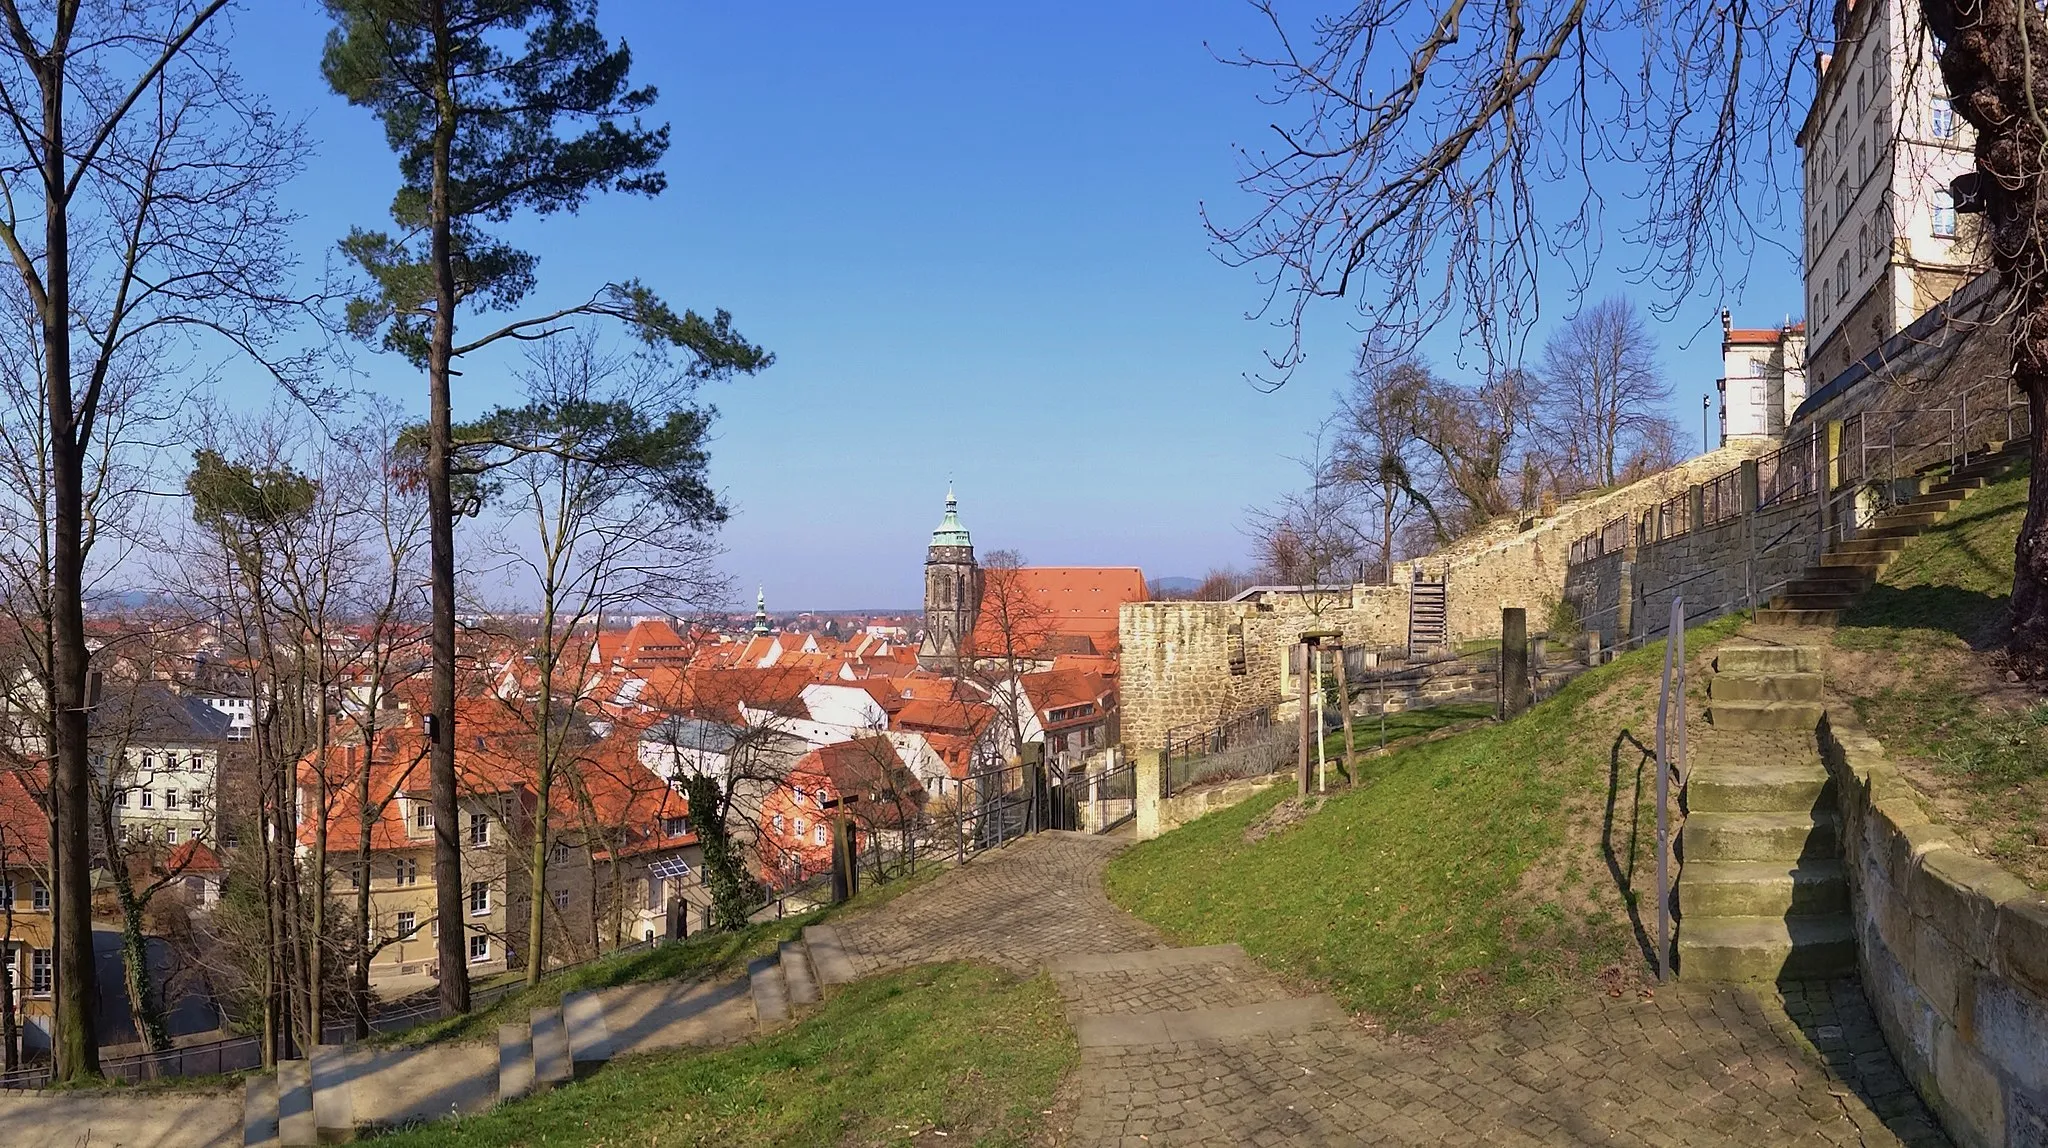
1822,591
1762,894
342,1089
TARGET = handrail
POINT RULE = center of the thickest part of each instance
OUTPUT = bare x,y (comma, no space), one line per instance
1674,664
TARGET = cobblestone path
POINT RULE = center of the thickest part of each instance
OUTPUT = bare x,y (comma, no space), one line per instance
1201,1047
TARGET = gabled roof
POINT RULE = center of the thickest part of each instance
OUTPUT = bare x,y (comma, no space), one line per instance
1049,607
24,826
150,713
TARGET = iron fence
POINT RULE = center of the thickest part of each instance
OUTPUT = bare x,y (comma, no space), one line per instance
1790,472
1252,743
1670,696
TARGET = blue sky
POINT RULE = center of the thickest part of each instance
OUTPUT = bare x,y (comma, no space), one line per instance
970,235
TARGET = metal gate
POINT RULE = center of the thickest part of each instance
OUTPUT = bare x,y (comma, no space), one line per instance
1113,797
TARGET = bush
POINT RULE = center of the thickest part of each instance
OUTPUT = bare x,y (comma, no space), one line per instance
1564,623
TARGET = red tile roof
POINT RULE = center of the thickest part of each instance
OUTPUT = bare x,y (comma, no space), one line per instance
1050,606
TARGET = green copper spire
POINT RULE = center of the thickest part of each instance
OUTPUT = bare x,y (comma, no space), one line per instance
761,610
950,532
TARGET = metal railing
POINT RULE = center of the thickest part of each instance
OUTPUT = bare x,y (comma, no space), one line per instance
1245,744
1670,694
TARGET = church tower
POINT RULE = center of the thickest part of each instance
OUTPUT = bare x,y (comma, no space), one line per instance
952,593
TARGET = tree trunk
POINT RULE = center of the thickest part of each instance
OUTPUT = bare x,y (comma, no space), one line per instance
451,950
2029,644
142,996
721,861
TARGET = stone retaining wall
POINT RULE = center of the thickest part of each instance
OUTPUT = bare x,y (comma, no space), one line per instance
1182,808
1953,952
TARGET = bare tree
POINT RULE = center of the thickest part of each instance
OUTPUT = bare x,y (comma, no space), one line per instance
1602,393
1012,636
140,210
1376,451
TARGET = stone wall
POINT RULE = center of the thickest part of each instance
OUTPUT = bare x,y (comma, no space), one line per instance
1176,664
1729,566
1182,808
1953,952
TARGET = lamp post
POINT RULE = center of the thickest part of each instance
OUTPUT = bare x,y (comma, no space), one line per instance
1706,415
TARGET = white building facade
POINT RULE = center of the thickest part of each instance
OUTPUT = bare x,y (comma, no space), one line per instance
1881,143
1763,378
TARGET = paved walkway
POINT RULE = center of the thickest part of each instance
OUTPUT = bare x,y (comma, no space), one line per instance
1201,1047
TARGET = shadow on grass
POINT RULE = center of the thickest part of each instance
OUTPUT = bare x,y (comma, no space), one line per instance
1621,862
1975,617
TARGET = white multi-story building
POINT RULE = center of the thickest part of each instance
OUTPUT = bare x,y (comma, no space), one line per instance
1880,145
1763,378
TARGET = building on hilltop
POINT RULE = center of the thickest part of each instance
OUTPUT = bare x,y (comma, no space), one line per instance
1763,378
1880,144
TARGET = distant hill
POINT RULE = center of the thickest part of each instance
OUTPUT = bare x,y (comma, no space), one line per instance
1174,585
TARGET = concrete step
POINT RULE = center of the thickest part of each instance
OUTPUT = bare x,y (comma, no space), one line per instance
1759,836
828,958
1764,715
1902,519
1815,887
1957,486
1869,544
1765,948
656,1015
295,1125
551,1064
515,1061
1937,502
797,977
1759,787
770,991
390,1086
1758,658
1799,619
334,1110
259,1111
1832,580
1765,687
1869,566
590,1041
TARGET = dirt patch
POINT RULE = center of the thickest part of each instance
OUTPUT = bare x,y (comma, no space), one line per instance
1282,817
1969,739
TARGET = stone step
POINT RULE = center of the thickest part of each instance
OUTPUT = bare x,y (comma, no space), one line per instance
1799,619
1758,658
334,1110
770,991
590,1041
1289,1017
515,1061
1765,687
828,958
655,1015
295,1124
1957,486
797,977
392,1086
1764,715
551,1063
1708,889
1759,836
1813,602
1937,502
1832,580
259,1111
1870,544
1758,787
1870,566
1765,948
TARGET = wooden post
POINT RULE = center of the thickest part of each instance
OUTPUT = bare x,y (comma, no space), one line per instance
1303,758
1344,712
1514,661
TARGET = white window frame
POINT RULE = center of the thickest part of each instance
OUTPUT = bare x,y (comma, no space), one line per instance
479,898
1941,118
38,897
408,923
41,961
1942,214
479,830
479,948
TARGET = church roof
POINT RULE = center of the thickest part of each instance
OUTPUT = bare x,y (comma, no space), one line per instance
950,531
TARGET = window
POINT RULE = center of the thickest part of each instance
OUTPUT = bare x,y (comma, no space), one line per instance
1862,94
778,823
121,799
799,827
148,799
1944,213
561,900
170,799
822,797
1827,294
1863,247
148,762
422,815
1758,366
818,835
560,853
7,891
192,834
1842,277
650,936
479,898
1862,159
1842,196
39,973
408,924
406,872
355,877
677,826
799,797
196,799
479,948
1942,121
479,829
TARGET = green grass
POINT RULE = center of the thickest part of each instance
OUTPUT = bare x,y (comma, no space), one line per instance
1479,872
959,1049
1366,731
697,958
1933,618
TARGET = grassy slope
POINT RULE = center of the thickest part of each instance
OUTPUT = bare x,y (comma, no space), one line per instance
1480,872
962,1049
700,957
1913,662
